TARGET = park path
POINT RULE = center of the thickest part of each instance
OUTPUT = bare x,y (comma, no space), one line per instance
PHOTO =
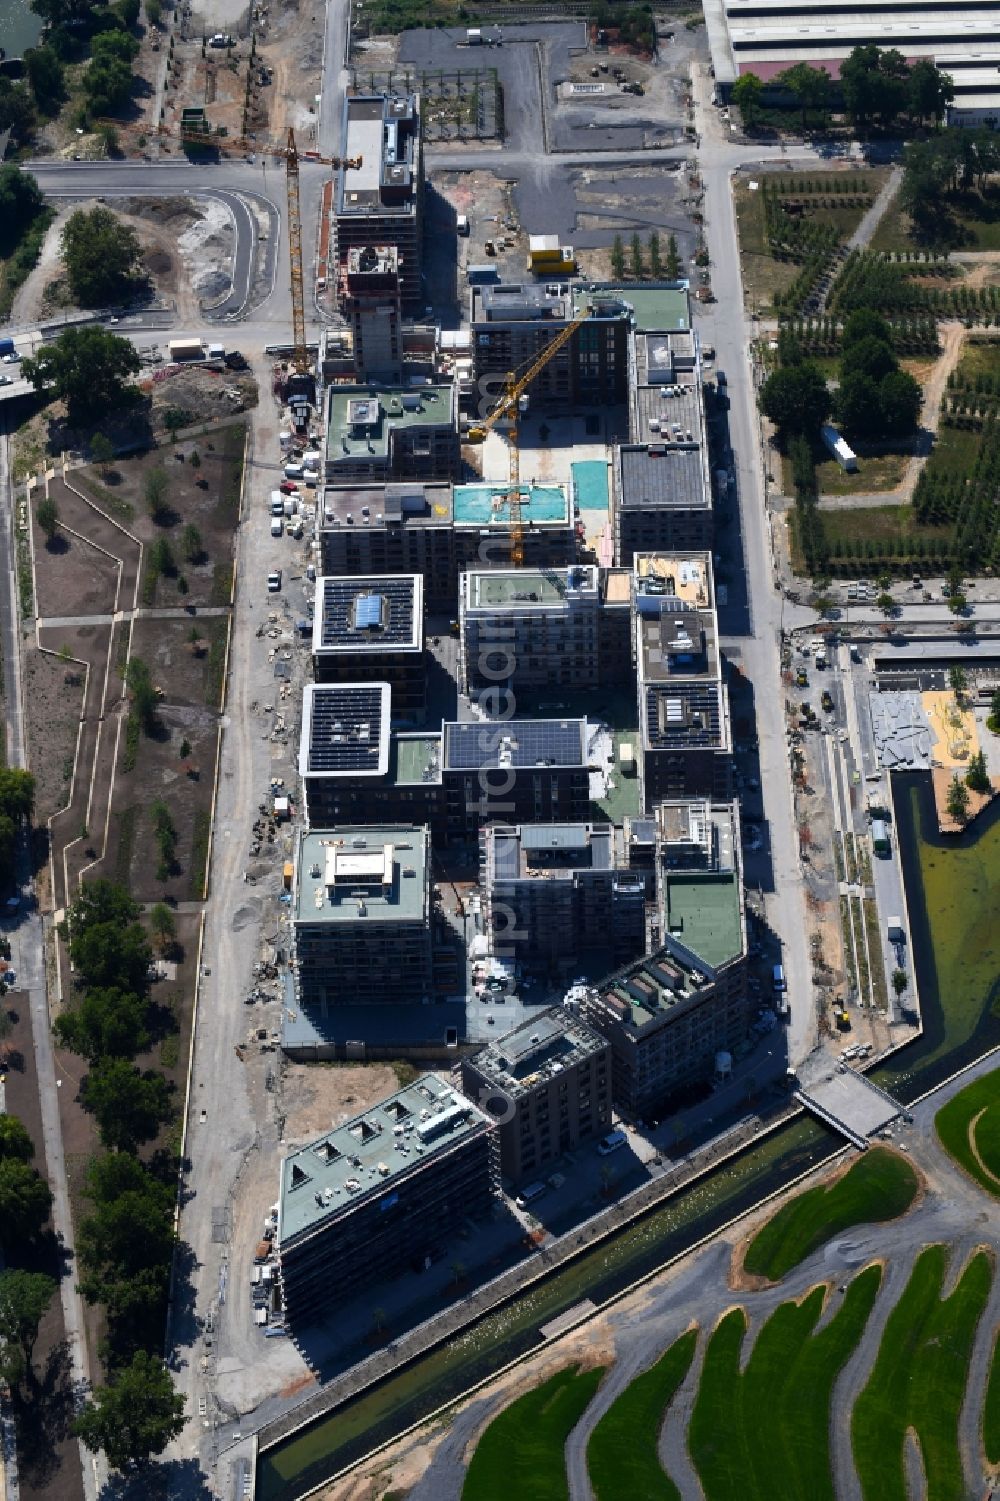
870,220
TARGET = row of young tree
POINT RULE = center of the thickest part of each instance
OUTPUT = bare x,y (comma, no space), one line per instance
822,336
125,1242
870,279
649,260
877,87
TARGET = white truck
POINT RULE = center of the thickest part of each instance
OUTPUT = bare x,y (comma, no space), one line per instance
186,349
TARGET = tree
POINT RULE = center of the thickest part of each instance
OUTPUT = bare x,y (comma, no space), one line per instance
191,544
655,259
617,259
102,451
107,84
102,256
20,202
977,777
858,405
17,801
129,1105
886,604
993,718
637,263
745,94
125,1245
144,696
957,802
135,1416
47,79
809,86
17,111
865,323
87,368
173,420
673,260
108,1023
154,11
108,947
873,84
928,91
796,399
162,926
25,1201
15,1143
957,680
47,516
166,840
899,400
155,491
24,1297
900,980
870,356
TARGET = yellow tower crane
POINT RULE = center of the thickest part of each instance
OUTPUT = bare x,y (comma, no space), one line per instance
508,409
291,156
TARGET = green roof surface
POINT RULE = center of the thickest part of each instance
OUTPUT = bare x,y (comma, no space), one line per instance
655,309
703,913
411,755
425,406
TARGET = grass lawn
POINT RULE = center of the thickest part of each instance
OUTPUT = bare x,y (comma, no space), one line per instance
968,1128
881,471
521,1452
764,1433
876,523
622,1454
979,357
975,219
918,1381
991,1409
879,1185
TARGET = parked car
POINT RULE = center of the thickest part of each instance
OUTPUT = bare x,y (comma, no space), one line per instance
288,488
274,581
276,528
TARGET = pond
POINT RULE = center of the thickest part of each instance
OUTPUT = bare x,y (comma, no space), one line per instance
20,28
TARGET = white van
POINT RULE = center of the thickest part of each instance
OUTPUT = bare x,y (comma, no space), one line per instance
293,471
611,1143
529,1194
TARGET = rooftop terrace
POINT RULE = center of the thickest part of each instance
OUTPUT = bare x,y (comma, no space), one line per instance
490,505
653,308
650,989
346,874
415,758
365,1156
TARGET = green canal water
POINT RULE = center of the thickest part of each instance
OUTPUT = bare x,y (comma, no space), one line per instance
953,894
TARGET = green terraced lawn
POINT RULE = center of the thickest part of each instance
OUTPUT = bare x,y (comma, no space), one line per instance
764,1433
521,1452
622,1454
918,1381
991,1409
969,1130
879,1185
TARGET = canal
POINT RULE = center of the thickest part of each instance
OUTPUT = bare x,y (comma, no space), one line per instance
952,886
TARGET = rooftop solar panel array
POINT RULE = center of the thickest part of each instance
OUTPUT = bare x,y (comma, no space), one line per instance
685,715
518,744
346,725
359,612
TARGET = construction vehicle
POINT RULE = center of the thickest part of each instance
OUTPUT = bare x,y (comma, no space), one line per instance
507,410
291,156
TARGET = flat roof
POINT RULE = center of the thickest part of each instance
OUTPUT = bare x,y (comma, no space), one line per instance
360,418
495,588
361,872
653,309
686,576
703,910
369,614
540,1048
687,715
398,504
696,830
647,991
521,744
532,852
363,1158
676,642
665,474
381,129
490,505
345,730
415,758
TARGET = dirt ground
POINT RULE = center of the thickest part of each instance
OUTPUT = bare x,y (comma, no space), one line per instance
52,694
290,44
205,496
187,249
49,1463
72,575
316,1096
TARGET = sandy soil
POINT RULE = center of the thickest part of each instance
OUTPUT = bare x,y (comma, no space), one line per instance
52,695
291,45
317,1096
941,780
